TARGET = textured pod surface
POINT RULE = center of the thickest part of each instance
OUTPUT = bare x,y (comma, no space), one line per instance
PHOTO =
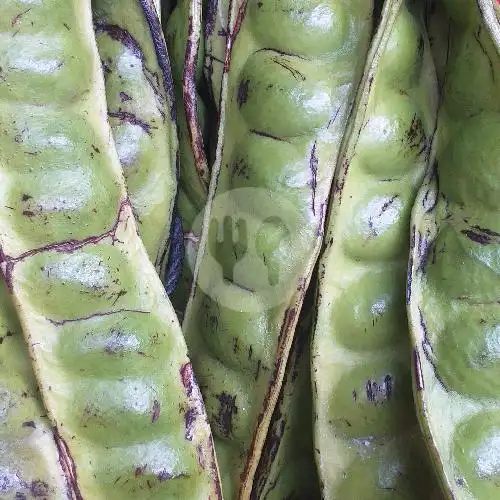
286,467
29,457
216,36
367,440
185,42
284,111
453,287
108,352
140,99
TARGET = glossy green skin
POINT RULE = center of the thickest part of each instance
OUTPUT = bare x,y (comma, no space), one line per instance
286,468
29,461
453,287
140,115
294,88
108,353
193,179
367,439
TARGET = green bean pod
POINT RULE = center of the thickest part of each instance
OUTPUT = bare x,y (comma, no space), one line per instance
286,467
367,440
291,76
29,457
107,351
183,35
453,284
140,99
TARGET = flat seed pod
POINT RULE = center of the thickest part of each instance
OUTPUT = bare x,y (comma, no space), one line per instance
108,353
453,283
29,457
286,467
185,41
140,99
284,110
367,440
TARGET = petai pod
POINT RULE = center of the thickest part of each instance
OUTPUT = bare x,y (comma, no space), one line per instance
29,457
108,353
185,43
453,287
291,76
139,95
286,467
367,440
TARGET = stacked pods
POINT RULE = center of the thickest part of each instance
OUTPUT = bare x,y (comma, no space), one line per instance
185,41
108,353
454,287
98,398
282,117
367,440
140,102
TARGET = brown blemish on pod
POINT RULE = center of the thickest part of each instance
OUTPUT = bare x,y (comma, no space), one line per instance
417,367
481,235
227,409
190,416
18,17
377,392
120,34
7,262
242,92
155,413
190,103
231,37
195,410
313,167
409,273
189,421
130,118
269,136
68,466
240,169
415,135
39,488
108,349
427,350
124,97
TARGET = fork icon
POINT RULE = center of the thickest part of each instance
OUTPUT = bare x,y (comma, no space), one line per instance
228,248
